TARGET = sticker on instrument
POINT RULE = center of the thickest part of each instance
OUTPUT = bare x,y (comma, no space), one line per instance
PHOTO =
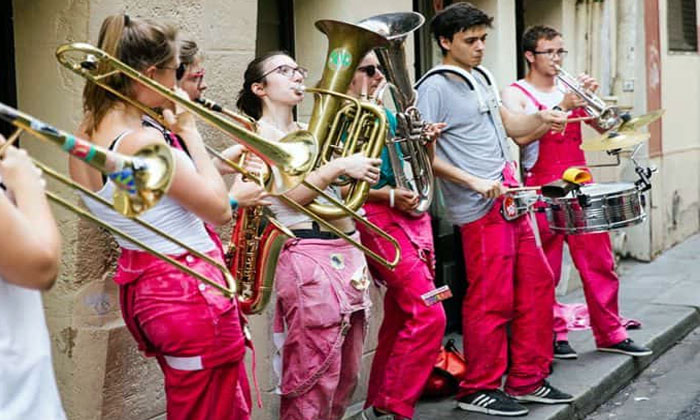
436,295
337,261
339,59
510,210
360,280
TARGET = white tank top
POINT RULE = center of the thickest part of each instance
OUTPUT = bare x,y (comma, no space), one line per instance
168,215
283,213
530,152
27,383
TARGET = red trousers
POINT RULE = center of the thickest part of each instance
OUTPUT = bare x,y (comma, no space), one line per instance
411,331
509,282
593,257
193,330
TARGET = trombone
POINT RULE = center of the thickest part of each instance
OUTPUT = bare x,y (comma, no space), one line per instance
298,207
290,159
142,180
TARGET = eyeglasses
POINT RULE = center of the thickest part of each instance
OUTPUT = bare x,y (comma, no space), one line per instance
287,71
551,53
179,70
371,70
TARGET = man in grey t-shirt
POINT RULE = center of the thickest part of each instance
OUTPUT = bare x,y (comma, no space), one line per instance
509,279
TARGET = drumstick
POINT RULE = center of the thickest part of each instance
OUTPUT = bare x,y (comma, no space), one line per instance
517,189
579,119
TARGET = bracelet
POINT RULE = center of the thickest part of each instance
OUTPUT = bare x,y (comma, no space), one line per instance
233,203
391,198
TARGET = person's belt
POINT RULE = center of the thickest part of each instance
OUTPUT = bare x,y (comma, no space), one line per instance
316,233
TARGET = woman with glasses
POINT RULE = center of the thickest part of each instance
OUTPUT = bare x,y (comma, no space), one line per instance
412,329
321,280
195,333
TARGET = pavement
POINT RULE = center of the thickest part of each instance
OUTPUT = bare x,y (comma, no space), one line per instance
663,294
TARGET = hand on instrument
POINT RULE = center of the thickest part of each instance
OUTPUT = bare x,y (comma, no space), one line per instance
405,200
17,170
432,131
488,188
248,193
588,82
556,119
361,168
252,162
571,101
181,120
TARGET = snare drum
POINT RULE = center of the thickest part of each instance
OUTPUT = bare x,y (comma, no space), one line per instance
596,208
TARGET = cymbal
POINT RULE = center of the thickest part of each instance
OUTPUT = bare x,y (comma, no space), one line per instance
613,140
636,123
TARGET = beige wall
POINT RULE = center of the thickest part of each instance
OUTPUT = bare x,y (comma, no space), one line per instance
99,371
677,202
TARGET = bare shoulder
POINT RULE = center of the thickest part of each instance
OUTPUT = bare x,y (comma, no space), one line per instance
513,98
137,139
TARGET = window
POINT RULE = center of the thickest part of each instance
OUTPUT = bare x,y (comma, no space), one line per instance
682,25
275,26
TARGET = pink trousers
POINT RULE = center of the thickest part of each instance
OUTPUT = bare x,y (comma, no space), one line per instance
509,282
411,332
593,257
321,317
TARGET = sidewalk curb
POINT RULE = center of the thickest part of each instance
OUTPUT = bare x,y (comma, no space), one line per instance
627,370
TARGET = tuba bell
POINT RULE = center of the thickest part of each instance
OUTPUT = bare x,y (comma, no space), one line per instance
407,150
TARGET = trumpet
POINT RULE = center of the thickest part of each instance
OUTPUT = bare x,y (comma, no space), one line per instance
290,159
143,179
606,116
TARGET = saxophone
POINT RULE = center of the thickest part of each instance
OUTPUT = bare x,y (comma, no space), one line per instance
256,241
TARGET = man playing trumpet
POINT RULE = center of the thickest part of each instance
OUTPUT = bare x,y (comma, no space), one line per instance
545,157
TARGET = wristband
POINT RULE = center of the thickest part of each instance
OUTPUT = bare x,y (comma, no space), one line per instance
233,203
391,198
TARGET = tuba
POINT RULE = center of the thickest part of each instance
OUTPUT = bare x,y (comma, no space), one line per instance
407,150
343,125
605,116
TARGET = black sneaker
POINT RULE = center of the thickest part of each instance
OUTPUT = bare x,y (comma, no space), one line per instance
629,348
563,350
493,402
546,394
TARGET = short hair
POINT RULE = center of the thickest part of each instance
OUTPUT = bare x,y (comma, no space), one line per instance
455,18
533,35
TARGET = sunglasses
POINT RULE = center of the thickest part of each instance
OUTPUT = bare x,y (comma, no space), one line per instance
179,70
371,70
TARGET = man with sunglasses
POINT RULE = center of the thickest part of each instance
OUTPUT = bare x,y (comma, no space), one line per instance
413,325
544,160
509,280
